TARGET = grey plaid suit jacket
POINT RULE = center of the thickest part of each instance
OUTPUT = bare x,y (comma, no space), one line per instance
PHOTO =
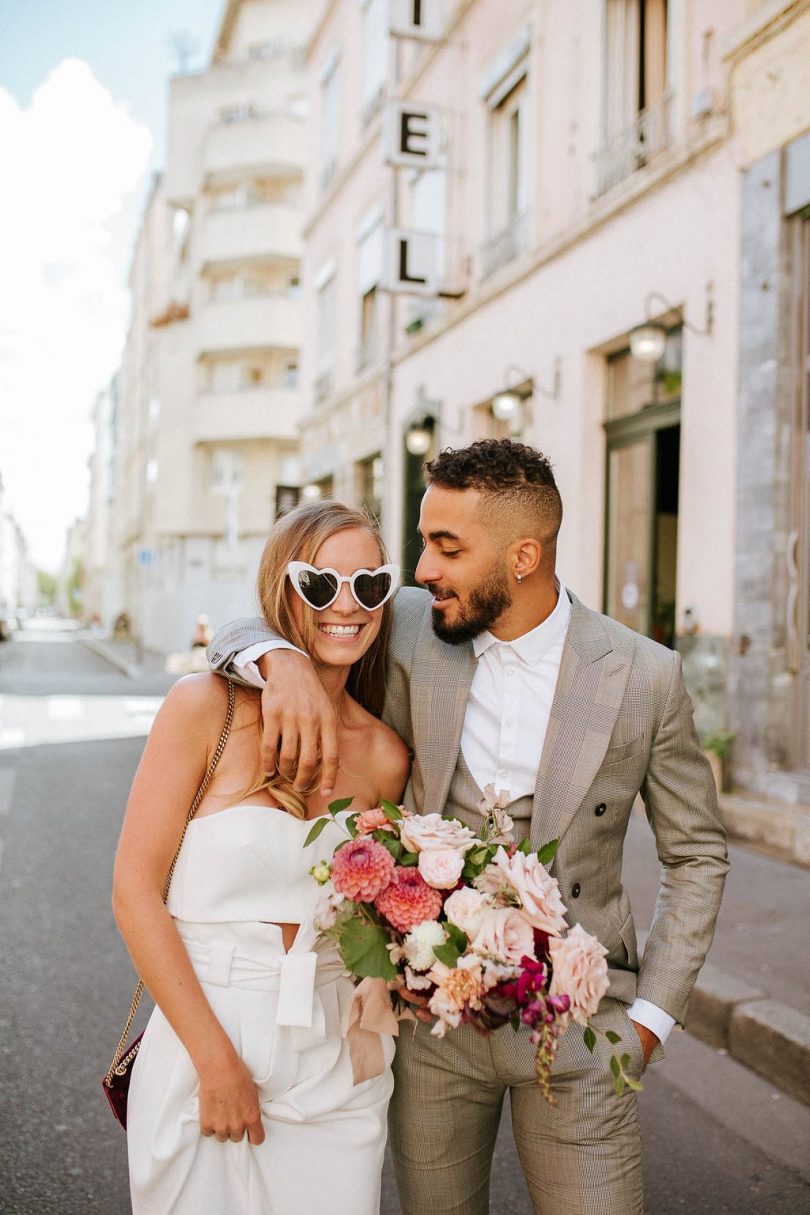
620,724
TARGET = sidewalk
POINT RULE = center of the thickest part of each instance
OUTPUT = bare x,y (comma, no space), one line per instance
752,998
125,655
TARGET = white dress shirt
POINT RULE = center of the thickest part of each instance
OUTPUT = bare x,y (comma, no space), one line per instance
508,708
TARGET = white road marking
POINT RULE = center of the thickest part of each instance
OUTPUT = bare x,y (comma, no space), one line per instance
64,708
35,721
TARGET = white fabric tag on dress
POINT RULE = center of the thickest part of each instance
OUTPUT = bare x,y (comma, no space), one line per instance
297,989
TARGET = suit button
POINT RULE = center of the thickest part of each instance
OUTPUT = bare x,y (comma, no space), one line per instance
600,809
575,889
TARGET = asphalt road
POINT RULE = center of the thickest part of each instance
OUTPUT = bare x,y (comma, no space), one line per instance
717,1138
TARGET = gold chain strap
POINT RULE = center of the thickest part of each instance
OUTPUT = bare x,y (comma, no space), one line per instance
120,1061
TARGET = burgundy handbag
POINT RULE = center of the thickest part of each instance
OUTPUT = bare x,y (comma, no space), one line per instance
116,1080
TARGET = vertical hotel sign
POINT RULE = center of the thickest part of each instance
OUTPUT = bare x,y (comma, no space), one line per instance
413,140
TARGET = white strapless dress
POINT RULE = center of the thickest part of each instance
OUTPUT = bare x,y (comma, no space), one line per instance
286,1014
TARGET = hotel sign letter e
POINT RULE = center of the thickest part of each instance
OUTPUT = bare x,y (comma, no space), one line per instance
412,135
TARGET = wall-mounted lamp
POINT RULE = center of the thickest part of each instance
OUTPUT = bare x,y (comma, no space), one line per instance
648,341
311,492
419,435
508,404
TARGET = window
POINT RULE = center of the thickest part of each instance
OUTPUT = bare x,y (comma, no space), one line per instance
227,470
330,117
508,172
428,205
636,96
370,485
369,273
325,287
250,375
291,375
375,47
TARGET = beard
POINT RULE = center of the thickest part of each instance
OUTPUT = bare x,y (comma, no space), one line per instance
485,605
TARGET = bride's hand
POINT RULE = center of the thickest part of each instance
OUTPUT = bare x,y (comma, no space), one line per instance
229,1104
299,721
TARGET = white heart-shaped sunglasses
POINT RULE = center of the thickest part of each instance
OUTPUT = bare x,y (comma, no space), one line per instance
320,588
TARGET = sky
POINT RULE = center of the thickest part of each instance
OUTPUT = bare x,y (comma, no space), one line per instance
83,88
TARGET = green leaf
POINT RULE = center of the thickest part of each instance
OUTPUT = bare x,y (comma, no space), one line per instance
316,830
618,1084
615,1066
391,812
351,824
447,953
625,1061
546,854
342,803
394,846
525,846
590,1039
612,1037
409,858
362,948
635,1085
456,936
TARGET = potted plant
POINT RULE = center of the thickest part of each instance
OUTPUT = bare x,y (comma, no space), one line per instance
717,747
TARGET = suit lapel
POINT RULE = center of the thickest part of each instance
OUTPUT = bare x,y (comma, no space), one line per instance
440,683
590,688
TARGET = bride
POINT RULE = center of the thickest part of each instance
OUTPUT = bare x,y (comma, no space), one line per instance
242,1099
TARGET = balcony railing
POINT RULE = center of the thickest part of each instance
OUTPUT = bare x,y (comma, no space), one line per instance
649,133
251,413
247,324
505,245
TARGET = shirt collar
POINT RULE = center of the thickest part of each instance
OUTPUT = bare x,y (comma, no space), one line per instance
534,645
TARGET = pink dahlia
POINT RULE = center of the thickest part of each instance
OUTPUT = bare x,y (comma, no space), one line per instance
361,869
407,900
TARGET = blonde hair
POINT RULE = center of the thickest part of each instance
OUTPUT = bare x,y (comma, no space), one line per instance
297,536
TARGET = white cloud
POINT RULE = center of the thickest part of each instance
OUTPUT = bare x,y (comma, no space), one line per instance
72,162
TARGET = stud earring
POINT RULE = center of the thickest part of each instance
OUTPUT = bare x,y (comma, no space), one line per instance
519,577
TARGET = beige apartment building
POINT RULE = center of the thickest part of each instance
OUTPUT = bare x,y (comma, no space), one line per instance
568,269
208,401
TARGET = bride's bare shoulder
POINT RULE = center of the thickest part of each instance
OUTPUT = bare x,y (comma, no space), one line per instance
385,757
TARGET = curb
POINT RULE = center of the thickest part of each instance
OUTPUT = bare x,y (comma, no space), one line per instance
109,655
783,829
764,1035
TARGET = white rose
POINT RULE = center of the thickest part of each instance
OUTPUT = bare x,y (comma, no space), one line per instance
580,971
326,909
422,831
537,891
441,867
464,908
505,935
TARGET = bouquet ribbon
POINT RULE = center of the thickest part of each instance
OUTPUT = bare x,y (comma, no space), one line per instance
370,1016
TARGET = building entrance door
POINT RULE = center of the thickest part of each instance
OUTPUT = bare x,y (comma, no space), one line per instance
799,540
643,458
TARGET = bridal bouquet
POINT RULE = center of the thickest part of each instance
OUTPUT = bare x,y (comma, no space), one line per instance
473,925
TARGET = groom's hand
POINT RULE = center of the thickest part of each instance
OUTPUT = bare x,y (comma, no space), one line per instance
648,1040
299,721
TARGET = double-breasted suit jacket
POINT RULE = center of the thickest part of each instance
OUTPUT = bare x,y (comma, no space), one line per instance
620,725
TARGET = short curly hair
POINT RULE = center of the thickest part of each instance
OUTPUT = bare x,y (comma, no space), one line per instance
516,483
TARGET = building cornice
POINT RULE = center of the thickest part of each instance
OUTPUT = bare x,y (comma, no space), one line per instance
761,26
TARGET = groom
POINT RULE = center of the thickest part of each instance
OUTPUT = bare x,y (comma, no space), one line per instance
499,676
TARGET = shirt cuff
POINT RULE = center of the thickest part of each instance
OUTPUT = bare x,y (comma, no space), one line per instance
652,1017
245,661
